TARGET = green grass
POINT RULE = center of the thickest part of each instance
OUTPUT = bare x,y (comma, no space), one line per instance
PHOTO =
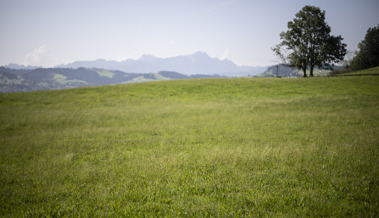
207,147
367,72
61,79
104,73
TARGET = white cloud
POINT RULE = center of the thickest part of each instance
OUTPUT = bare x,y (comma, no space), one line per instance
36,57
225,55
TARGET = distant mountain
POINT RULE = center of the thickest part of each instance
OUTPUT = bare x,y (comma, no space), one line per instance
13,80
197,63
21,67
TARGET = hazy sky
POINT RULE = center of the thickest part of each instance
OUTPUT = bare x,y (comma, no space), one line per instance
51,32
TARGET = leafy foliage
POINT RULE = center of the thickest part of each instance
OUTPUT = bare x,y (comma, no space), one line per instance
368,54
308,42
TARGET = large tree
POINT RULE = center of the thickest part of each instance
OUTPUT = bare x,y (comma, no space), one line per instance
308,43
368,54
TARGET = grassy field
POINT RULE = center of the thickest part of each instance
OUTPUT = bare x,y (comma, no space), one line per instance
207,147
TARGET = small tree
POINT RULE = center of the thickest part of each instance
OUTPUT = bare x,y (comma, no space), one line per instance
368,54
308,42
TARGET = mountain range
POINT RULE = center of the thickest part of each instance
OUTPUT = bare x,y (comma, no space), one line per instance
197,63
15,78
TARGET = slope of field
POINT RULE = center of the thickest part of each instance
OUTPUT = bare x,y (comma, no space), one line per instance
367,72
205,147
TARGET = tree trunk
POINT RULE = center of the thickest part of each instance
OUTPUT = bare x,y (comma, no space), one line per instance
304,72
311,72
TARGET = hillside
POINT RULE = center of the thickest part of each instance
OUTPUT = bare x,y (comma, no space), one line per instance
288,72
367,72
17,80
193,148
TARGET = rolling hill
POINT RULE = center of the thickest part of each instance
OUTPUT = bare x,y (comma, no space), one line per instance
288,72
16,80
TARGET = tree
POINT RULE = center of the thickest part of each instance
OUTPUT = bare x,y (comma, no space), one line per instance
368,54
308,42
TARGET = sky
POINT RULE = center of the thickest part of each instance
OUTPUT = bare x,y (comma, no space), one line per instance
52,32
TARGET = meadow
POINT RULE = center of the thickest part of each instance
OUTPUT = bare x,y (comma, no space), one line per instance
201,147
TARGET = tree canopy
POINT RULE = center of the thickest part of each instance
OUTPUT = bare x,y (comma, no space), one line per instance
368,54
308,42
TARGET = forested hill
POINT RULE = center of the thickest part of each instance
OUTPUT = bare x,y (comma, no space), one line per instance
18,80
282,70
